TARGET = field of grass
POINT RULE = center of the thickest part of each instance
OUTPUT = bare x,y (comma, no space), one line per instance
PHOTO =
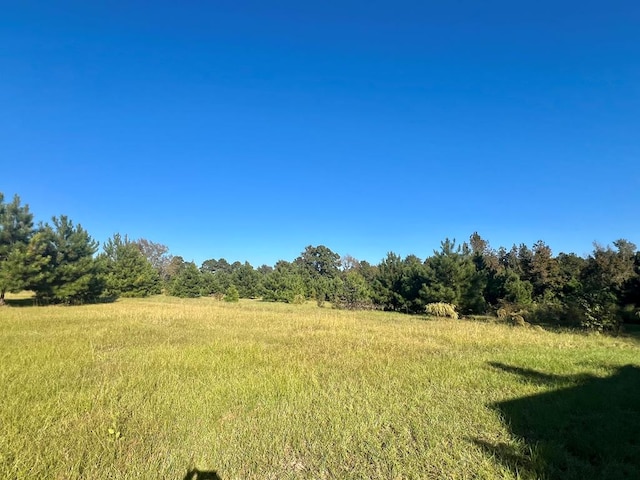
155,388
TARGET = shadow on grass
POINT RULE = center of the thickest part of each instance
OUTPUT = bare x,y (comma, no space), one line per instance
631,331
20,302
585,428
195,474
34,302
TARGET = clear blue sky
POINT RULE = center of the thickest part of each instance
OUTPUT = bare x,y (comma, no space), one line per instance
248,130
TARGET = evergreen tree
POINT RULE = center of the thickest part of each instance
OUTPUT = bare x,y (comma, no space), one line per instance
232,294
413,277
215,266
570,267
16,230
217,275
355,293
246,280
210,284
284,284
187,282
127,272
545,272
386,283
453,278
515,290
71,274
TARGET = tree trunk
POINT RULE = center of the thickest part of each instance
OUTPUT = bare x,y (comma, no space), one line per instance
2,302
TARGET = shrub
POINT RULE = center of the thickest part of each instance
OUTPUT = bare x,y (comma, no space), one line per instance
552,313
298,299
441,309
599,315
232,294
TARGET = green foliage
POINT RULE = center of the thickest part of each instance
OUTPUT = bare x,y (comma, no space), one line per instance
212,285
69,272
216,266
544,272
16,230
284,284
603,286
386,283
553,312
298,299
246,279
321,289
453,278
355,293
412,279
599,312
441,309
398,284
127,272
516,290
319,261
601,292
218,275
187,283
232,294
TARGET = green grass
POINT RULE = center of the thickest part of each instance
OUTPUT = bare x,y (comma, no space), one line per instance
153,388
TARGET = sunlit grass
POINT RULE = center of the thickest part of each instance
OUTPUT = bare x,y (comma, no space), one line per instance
150,388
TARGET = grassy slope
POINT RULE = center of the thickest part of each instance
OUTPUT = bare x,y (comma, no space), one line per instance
150,388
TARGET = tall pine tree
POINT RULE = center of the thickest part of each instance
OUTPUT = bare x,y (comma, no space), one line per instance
127,272
16,229
71,273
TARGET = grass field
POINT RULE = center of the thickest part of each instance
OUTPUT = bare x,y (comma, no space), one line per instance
158,387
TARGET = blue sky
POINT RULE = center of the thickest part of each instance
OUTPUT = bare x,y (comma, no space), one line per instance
248,130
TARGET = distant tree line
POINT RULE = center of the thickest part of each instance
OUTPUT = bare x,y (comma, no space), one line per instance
60,263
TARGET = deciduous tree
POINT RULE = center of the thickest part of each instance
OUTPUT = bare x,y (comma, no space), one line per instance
157,255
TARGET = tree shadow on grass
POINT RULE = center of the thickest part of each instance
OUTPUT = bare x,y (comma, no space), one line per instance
34,302
585,428
632,332
19,302
195,474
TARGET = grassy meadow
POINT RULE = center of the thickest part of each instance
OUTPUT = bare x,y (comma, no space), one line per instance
165,388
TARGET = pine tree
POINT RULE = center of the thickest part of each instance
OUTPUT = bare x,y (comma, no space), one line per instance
284,284
127,272
187,282
232,294
71,274
16,229
453,277
386,283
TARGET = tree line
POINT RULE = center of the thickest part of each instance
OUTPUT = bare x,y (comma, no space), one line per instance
61,263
